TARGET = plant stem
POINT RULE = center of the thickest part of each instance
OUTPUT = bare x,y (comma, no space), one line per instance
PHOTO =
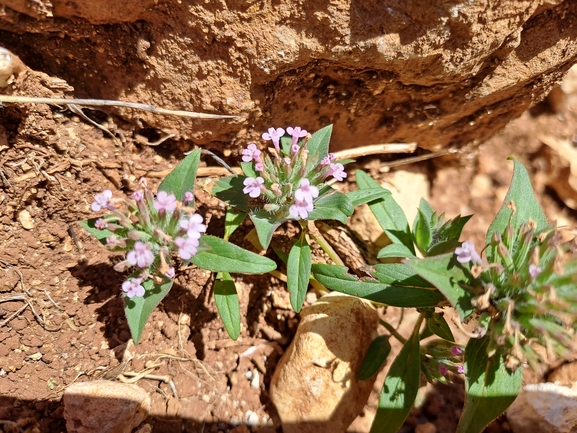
393,331
326,247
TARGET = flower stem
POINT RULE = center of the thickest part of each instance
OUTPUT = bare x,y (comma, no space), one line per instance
326,247
393,331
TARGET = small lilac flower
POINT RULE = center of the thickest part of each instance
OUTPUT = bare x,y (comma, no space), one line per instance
461,369
141,255
102,200
188,197
252,186
300,209
112,241
259,166
296,133
138,195
186,247
170,273
274,135
336,170
100,224
306,192
328,159
443,369
133,287
165,202
456,351
295,149
534,270
467,252
193,226
251,153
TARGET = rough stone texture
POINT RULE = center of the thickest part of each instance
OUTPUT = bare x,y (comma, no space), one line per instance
315,387
544,408
434,72
104,406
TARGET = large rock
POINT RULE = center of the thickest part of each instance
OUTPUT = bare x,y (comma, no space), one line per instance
315,387
104,406
434,72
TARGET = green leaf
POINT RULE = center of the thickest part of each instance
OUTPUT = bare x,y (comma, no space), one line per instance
490,387
398,274
336,278
318,146
447,275
299,272
375,357
395,251
426,210
389,214
362,196
521,193
218,255
443,248
265,225
227,304
232,220
101,235
334,206
183,177
400,388
439,326
229,190
422,232
138,309
248,169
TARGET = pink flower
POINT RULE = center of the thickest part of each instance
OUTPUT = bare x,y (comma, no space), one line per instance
259,166
443,369
328,159
186,247
274,135
534,270
461,369
193,226
141,255
295,149
456,351
138,195
336,170
296,133
100,224
252,186
306,192
300,209
102,201
133,287
170,273
251,153
165,202
467,252
188,197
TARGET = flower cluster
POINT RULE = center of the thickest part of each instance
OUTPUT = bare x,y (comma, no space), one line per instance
441,357
525,292
151,230
288,178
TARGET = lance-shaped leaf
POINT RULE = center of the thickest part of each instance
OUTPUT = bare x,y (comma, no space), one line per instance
299,272
183,177
362,196
333,206
445,273
375,357
318,146
521,193
439,326
422,232
138,309
232,220
400,388
490,387
265,225
398,274
227,304
389,214
218,255
395,251
337,278
229,190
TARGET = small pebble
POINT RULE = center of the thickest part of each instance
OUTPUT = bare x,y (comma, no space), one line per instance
251,418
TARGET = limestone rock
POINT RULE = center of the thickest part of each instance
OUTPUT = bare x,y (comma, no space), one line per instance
544,408
315,387
104,406
435,72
